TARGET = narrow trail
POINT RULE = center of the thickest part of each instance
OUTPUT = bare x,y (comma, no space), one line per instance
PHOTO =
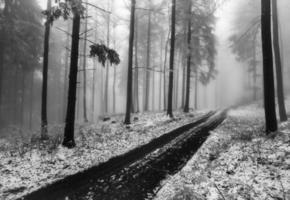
136,174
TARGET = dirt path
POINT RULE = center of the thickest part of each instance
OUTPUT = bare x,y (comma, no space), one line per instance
136,174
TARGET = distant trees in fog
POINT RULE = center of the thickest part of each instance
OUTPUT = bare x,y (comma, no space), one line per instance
168,46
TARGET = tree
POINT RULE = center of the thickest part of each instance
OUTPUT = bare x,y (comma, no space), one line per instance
68,140
268,72
130,63
186,106
171,64
44,76
84,66
148,60
278,64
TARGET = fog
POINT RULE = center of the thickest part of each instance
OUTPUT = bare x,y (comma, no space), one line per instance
231,84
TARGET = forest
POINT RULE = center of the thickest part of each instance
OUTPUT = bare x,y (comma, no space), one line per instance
154,99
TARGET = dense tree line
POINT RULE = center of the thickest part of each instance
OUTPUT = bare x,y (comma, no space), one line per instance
170,44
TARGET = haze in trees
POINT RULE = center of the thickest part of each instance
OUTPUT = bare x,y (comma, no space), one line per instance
68,60
113,97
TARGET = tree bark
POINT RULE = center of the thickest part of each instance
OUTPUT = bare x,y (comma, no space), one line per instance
268,75
196,89
84,68
68,140
44,77
136,72
31,100
66,74
160,74
107,64
278,63
164,74
172,46
255,67
148,62
188,71
130,63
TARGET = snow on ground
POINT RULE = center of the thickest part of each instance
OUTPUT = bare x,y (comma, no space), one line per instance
26,166
237,162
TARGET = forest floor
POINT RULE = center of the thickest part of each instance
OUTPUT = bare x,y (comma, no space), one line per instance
27,163
236,162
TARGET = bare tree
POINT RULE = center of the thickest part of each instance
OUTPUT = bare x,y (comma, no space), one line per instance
130,63
278,64
44,76
268,75
171,64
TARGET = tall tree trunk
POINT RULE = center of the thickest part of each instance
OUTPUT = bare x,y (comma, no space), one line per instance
268,75
196,89
165,95
84,68
1,80
278,63
107,65
94,84
148,61
31,100
153,90
68,140
66,73
114,89
160,74
136,72
44,77
22,122
255,67
188,71
172,46
130,63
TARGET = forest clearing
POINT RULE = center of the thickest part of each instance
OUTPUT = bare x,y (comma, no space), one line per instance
135,100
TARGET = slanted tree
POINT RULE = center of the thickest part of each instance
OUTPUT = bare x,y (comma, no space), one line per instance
268,71
130,64
278,63
171,64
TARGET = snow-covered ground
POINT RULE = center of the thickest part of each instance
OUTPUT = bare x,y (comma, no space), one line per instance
26,166
237,162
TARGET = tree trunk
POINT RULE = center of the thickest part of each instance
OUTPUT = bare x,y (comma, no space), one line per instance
44,77
153,90
188,71
66,74
31,100
1,80
160,74
130,63
84,68
107,64
255,67
22,122
278,63
196,89
268,75
148,62
136,72
171,65
68,140
164,70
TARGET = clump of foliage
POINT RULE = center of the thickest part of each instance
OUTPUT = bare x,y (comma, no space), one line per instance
64,9
104,54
